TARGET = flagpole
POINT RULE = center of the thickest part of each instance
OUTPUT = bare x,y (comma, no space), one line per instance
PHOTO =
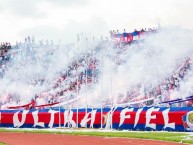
77,92
67,77
59,104
59,114
77,96
0,117
111,87
93,71
102,88
86,77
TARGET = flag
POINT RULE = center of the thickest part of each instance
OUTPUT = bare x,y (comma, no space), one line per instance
135,35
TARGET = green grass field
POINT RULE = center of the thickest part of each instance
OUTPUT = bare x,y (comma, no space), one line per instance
164,136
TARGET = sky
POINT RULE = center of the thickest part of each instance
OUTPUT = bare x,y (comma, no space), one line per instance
62,20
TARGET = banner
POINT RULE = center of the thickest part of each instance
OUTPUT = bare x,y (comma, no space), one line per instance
130,37
127,37
154,118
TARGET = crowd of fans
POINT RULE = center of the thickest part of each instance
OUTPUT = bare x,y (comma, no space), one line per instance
84,71
81,71
74,77
25,52
161,92
4,56
124,38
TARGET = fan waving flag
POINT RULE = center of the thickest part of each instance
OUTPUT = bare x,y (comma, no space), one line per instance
135,35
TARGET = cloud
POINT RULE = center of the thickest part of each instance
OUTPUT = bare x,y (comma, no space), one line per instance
2,5
24,8
180,13
41,32
67,2
69,17
36,8
93,27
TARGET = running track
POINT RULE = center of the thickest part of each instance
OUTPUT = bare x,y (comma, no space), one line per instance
61,139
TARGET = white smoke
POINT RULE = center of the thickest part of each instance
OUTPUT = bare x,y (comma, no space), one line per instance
146,64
